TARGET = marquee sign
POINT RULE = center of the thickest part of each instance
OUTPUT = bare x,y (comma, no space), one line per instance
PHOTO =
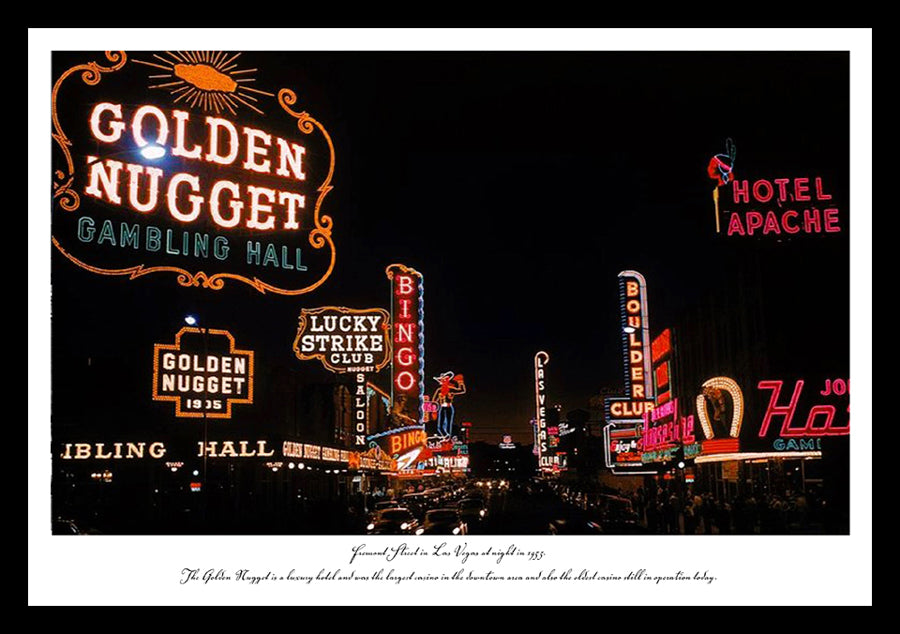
202,373
344,339
179,163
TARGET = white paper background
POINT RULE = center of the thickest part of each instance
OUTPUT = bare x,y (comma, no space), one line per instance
757,570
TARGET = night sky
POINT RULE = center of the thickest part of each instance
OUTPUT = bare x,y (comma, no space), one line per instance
520,184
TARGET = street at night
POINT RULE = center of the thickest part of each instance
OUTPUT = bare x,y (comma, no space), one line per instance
451,294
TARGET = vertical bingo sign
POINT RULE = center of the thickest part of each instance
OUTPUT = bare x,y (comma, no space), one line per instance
408,338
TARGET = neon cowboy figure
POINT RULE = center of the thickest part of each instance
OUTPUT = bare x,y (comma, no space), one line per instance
451,385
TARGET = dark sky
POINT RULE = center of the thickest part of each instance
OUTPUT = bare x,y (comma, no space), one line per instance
520,184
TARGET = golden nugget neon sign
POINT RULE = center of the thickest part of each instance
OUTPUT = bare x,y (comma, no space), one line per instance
147,188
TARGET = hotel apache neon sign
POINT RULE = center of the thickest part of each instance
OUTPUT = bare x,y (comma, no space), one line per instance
182,180
202,373
777,206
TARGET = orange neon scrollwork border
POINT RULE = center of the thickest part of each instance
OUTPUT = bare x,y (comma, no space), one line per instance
158,347
69,200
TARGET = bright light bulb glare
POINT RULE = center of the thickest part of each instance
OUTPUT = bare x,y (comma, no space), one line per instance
153,152
190,320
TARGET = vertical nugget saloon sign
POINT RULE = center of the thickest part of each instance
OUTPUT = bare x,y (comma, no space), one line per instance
186,164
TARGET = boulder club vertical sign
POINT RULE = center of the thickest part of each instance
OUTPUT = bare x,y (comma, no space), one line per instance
625,415
347,341
181,163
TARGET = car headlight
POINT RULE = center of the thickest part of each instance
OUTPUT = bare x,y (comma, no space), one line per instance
456,531
419,531
370,527
404,526
481,512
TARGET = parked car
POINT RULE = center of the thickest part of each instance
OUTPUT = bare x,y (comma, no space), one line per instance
442,522
616,515
393,521
471,509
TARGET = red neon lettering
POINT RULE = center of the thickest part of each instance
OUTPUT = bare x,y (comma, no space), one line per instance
405,333
771,224
820,195
405,381
784,222
810,219
734,224
782,189
406,357
741,190
633,306
763,198
404,308
754,221
801,189
773,410
831,220
634,321
828,411
404,285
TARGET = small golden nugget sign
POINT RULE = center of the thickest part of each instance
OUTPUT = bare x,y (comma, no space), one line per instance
180,163
202,373
344,339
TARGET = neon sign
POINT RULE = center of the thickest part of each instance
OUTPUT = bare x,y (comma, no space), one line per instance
803,207
408,359
507,442
661,353
541,359
344,339
290,449
113,451
625,414
635,335
663,428
721,170
202,373
234,449
820,419
623,446
199,187
722,432
450,386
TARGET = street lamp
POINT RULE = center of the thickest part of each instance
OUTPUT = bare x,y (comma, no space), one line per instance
190,320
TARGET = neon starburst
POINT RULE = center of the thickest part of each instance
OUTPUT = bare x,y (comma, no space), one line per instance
210,80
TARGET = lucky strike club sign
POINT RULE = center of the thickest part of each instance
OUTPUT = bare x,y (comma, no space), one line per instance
345,339
202,373
184,163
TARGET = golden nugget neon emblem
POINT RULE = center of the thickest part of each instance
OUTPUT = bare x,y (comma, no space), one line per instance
208,187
